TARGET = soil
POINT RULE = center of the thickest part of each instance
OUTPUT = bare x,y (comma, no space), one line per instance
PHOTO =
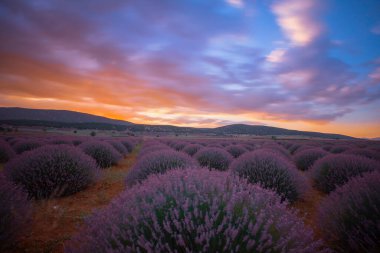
57,220
308,207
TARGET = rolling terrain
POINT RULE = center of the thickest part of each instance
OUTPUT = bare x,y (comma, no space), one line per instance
70,119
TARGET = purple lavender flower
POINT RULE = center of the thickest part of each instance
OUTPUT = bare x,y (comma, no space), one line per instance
271,171
236,150
195,210
349,217
158,162
128,144
366,152
6,152
52,171
191,149
26,145
214,158
306,158
104,153
336,169
119,147
15,212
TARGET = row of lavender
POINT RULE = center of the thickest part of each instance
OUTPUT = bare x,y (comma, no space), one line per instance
232,196
47,167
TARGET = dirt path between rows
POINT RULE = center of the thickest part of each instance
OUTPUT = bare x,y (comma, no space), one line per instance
308,208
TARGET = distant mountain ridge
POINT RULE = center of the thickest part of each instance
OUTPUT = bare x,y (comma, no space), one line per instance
64,116
70,119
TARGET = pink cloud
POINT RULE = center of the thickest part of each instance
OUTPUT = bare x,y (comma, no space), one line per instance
297,20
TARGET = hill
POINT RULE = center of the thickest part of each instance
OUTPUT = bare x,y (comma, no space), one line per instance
69,119
63,116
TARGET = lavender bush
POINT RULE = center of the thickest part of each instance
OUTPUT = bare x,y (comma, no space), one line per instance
304,147
52,171
364,152
6,152
236,150
129,145
339,149
191,149
158,163
184,211
178,145
77,141
336,169
278,149
305,159
349,217
294,147
104,153
150,148
214,158
119,147
271,171
26,145
61,141
15,212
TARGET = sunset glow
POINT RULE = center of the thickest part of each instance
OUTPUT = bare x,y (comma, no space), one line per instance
298,64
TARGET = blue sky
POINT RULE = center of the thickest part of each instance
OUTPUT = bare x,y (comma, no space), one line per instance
301,64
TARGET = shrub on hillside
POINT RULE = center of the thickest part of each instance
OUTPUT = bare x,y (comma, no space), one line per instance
52,171
306,158
6,152
336,169
26,145
206,211
349,217
191,149
158,162
104,153
271,171
214,158
15,212
236,150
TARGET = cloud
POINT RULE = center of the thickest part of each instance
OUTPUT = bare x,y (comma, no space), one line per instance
192,62
297,18
276,55
236,3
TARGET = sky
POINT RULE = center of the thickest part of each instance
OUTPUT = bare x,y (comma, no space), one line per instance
300,64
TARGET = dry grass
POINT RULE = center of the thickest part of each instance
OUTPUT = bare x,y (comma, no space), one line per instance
56,220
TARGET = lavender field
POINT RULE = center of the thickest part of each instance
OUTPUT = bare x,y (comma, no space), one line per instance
189,126
92,194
